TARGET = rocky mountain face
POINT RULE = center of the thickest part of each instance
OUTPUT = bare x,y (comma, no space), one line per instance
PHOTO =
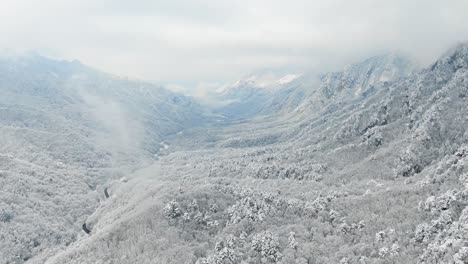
368,165
356,82
361,78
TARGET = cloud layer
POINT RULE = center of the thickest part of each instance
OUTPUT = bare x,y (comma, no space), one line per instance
193,41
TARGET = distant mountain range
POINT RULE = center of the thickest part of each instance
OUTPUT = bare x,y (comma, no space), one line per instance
268,93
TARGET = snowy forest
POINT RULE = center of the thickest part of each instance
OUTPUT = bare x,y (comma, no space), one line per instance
364,165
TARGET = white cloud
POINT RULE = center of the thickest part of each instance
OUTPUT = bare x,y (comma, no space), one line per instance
220,40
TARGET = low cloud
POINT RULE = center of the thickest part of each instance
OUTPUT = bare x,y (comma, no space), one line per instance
119,132
203,41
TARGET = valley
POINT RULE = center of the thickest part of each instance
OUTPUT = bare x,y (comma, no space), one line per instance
366,165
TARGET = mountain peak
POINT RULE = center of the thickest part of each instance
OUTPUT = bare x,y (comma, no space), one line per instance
265,82
390,61
454,59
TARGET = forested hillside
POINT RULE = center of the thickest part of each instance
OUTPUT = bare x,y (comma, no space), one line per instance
66,130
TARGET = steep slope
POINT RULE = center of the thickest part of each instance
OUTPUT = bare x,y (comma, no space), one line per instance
372,172
356,82
359,79
66,131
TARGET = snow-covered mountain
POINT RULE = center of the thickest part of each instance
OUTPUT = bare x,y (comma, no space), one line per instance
367,165
372,172
269,94
358,79
253,95
356,82
90,94
66,129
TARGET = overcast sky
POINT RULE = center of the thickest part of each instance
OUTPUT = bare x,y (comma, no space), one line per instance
203,41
